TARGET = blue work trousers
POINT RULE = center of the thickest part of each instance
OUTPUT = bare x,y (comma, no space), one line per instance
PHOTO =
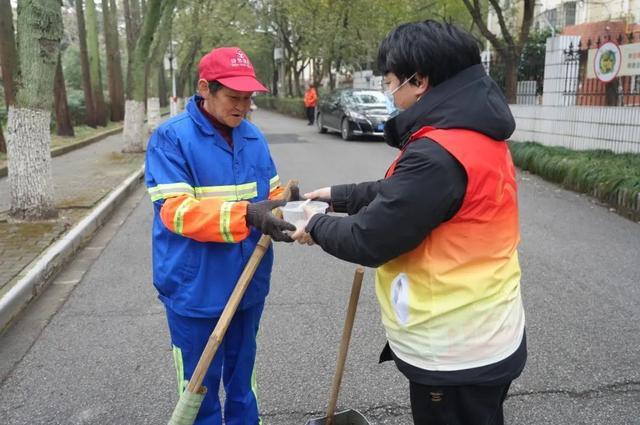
234,363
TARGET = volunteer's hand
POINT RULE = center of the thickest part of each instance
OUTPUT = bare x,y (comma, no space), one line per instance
301,234
323,194
259,215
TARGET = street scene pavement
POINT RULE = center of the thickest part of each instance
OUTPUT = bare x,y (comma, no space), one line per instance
104,357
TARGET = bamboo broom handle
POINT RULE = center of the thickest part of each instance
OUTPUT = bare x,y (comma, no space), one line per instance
232,305
344,343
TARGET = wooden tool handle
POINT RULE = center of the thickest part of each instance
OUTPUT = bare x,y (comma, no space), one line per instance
344,343
230,308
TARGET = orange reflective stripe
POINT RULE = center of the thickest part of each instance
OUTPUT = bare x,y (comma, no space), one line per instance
203,220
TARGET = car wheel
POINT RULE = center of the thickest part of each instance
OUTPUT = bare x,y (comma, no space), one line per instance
345,130
321,128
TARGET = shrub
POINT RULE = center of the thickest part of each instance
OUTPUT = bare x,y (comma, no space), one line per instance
610,177
292,106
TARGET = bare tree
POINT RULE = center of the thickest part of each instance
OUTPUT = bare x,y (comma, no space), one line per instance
40,29
508,47
91,119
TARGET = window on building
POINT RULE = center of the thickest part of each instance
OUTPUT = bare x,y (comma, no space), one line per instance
569,13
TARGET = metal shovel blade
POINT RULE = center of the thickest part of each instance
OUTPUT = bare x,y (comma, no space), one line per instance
346,417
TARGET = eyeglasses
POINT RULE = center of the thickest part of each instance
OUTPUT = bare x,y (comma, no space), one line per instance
386,84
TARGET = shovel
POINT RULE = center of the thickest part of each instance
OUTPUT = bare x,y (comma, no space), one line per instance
346,417
190,400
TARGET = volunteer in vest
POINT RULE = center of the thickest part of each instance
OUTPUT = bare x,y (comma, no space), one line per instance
212,180
441,228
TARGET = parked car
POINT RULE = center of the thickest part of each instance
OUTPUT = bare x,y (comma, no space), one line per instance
353,112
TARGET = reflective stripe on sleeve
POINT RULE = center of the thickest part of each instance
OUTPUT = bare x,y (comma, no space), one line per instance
164,191
274,182
178,219
225,221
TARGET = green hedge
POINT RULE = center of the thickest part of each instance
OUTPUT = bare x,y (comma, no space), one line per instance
612,178
292,106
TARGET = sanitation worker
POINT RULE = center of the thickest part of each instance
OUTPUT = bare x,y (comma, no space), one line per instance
441,228
212,182
310,102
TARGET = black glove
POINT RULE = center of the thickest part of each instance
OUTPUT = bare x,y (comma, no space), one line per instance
259,216
294,193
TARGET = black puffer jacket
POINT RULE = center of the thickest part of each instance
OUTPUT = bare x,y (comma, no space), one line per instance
390,217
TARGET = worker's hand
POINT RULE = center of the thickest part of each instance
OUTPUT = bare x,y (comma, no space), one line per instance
294,193
301,234
260,216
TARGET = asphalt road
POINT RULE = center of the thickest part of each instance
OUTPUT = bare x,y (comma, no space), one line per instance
104,357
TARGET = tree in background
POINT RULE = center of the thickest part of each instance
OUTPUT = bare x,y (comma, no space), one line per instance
93,50
508,47
134,105
91,115
132,26
8,60
155,63
63,118
40,29
114,66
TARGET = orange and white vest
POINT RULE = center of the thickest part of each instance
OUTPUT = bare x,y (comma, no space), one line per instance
454,302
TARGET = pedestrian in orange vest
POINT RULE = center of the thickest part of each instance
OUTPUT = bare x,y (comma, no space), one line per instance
310,102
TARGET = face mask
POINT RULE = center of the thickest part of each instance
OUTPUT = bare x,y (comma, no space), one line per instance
391,103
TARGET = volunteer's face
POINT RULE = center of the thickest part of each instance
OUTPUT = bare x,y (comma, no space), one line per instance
405,93
226,105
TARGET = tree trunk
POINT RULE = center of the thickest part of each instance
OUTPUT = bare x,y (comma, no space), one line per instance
134,106
3,143
28,136
63,118
131,19
8,54
90,119
114,67
510,76
162,88
94,63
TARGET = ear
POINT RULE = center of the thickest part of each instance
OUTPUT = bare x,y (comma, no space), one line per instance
422,85
203,87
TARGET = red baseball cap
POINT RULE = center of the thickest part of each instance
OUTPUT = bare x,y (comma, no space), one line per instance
231,67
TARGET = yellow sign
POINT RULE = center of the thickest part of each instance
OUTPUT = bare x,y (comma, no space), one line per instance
630,61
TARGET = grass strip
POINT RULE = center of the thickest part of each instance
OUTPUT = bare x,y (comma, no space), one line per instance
612,178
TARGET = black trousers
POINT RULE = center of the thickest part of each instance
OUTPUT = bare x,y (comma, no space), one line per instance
311,112
457,405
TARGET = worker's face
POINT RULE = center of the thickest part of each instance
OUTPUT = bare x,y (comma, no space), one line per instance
226,105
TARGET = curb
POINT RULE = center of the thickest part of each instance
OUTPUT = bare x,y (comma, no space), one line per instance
37,275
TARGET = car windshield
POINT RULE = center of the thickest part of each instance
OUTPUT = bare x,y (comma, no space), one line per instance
368,97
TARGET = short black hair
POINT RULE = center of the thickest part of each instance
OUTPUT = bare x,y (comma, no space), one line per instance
437,50
214,86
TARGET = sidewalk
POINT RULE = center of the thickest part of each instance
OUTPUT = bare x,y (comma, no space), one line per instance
82,178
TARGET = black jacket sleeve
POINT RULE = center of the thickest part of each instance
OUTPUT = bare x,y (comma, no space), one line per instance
350,198
426,189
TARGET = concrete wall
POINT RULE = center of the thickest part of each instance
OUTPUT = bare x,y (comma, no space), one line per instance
579,127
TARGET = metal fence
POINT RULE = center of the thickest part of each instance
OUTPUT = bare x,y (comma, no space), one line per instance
581,90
